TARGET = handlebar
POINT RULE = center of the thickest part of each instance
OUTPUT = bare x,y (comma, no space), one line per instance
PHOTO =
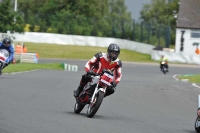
99,74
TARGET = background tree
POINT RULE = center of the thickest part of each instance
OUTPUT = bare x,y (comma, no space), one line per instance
120,19
10,20
85,17
161,13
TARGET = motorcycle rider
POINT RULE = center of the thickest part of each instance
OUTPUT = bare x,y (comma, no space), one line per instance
102,61
6,44
163,58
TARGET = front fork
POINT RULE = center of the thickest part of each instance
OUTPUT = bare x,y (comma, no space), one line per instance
93,100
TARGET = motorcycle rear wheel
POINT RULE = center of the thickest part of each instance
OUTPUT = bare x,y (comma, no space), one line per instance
93,108
78,108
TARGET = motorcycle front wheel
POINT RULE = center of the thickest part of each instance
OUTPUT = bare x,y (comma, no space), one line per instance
78,108
164,69
94,106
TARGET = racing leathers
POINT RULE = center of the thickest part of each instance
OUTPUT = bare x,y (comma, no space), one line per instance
99,62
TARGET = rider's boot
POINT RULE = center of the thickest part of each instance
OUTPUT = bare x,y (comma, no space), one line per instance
78,91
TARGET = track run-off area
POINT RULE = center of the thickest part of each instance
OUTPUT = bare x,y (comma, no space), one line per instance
145,101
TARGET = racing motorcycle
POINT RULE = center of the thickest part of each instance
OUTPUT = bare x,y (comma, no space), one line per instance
93,93
4,54
163,66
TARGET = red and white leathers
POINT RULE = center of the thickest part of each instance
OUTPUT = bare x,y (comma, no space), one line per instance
101,61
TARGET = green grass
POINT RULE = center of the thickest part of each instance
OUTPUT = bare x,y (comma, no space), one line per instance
69,52
191,78
81,52
31,66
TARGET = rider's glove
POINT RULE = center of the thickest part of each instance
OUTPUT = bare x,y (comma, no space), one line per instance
114,84
91,72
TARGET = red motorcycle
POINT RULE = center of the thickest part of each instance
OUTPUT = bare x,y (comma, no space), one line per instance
93,93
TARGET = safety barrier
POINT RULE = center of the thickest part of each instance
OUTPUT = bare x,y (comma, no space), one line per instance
176,57
26,57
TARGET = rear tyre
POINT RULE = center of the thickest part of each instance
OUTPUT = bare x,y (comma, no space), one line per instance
93,108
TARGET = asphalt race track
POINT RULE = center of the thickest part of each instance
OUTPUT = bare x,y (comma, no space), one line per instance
146,101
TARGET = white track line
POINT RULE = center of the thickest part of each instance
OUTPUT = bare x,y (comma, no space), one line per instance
23,71
194,84
174,76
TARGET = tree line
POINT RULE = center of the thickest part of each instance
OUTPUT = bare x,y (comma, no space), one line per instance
104,18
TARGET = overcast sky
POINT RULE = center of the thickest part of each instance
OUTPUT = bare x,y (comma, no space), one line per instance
134,6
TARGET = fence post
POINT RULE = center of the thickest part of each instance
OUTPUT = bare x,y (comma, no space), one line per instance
141,31
167,37
133,34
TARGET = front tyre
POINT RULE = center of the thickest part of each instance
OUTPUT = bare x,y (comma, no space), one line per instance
93,107
78,108
164,69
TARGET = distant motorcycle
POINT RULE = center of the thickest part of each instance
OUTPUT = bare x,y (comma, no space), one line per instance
93,93
164,67
4,54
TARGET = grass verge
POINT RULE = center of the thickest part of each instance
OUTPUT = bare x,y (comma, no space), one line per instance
191,78
68,52
81,52
71,52
19,67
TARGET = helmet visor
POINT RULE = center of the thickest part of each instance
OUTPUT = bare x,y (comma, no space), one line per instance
114,53
6,44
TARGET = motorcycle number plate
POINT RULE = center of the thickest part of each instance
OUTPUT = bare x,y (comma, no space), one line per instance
106,78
